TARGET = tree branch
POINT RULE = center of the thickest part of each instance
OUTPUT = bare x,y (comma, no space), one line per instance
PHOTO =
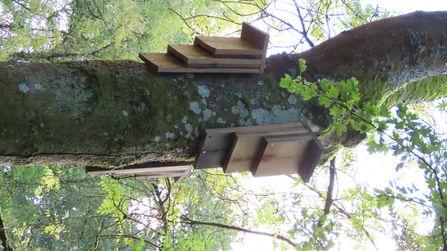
276,236
3,235
330,189
303,27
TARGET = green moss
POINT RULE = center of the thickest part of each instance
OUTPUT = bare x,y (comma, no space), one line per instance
424,90
108,112
270,89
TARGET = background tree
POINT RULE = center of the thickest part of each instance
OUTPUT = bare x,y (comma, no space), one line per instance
91,29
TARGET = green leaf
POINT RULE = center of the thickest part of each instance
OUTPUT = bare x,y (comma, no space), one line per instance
336,111
372,146
439,209
382,125
367,197
402,110
425,131
433,148
333,92
343,87
324,101
353,82
384,112
400,166
309,91
355,96
302,64
324,84
340,128
286,81
371,110
442,106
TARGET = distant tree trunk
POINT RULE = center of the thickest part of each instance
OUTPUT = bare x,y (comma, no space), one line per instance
115,113
3,236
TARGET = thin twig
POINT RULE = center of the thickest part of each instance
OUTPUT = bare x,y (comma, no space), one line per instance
330,189
276,236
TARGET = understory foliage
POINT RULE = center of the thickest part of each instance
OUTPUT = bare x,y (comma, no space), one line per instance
402,133
53,31
38,30
60,208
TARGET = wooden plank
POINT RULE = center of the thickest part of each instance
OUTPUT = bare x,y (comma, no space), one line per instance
254,36
274,132
138,168
157,176
180,178
165,63
213,150
313,154
281,155
147,170
253,43
196,57
257,38
259,128
162,62
216,143
242,155
141,171
221,47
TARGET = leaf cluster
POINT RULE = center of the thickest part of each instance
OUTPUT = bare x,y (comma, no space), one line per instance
403,133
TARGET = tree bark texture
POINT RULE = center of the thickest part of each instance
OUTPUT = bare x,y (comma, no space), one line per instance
116,113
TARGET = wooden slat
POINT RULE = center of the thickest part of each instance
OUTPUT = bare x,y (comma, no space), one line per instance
162,62
263,150
145,171
195,56
221,47
281,155
257,38
156,176
313,154
213,149
242,155
274,132
254,36
128,171
216,143
180,178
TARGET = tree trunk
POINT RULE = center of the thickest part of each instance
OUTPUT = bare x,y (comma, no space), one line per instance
116,113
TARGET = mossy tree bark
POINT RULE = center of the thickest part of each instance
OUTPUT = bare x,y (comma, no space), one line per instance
116,113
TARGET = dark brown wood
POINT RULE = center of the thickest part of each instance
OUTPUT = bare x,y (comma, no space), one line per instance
196,57
254,36
281,155
216,143
242,155
221,47
257,38
310,161
213,149
214,54
178,170
180,178
264,150
163,62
